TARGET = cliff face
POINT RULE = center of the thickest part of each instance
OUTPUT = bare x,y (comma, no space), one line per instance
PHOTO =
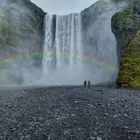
101,12
21,37
126,27
97,35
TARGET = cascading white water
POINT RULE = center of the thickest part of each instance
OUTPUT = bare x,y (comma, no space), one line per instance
62,48
67,60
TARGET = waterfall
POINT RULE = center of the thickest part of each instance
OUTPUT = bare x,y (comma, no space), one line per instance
61,48
72,55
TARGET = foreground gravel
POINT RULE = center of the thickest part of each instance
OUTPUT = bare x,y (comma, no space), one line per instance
70,113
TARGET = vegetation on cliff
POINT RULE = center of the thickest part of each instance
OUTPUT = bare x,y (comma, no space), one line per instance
126,27
21,37
130,63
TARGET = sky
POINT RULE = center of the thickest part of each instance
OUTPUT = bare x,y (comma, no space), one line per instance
62,7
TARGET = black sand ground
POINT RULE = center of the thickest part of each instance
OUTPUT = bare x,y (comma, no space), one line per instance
69,113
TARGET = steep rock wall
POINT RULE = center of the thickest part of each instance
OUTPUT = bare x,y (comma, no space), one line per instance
126,27
21,39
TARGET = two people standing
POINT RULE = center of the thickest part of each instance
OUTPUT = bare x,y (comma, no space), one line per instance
87,83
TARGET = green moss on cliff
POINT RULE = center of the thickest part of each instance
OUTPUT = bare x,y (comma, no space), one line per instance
130,64
126,27
3,28
10,34
123,20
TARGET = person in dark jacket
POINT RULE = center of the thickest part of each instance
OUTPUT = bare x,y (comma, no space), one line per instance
85,84
89,84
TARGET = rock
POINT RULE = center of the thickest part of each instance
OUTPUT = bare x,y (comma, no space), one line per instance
100,90
115,115
73,115
90,106
125,127
40,118
134,132
92,138
106,114
95,133
125,115
76,102
99,138
27,137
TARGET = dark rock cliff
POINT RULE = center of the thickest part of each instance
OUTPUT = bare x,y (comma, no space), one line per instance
126,27
21,38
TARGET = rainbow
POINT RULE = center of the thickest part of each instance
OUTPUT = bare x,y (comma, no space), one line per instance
81,57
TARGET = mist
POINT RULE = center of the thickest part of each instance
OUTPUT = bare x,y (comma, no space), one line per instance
92,29
63,7
88,36
18,66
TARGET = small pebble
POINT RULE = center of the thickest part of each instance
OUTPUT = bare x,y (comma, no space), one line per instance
99,138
